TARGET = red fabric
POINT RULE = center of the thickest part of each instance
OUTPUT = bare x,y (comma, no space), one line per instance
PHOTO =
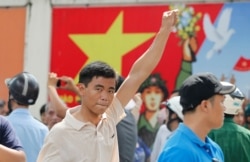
68,59
242,64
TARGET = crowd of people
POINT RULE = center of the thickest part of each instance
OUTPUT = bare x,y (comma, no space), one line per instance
204,120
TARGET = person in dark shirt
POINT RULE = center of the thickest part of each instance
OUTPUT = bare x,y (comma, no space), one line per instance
10,147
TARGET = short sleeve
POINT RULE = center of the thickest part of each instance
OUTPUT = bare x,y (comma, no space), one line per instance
116,111
49,152
8,136
175,155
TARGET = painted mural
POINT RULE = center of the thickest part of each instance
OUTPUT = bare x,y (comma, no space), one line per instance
207,38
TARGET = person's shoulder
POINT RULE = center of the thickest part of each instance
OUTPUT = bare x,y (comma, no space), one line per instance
243,130
164,130
9,117
38,125
176,153
177,140
179,134
60,129
163,127
3,121
236,128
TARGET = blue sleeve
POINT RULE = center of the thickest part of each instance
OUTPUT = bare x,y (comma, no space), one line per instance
8,136
145,147
175,155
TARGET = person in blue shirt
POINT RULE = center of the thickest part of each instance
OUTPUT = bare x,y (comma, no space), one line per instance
23,92
10,147
201,97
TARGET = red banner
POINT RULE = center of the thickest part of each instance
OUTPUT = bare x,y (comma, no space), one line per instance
118,36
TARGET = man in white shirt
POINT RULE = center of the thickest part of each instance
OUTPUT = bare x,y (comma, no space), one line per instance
88,132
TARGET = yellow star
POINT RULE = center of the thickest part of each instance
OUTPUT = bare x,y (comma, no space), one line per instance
110,46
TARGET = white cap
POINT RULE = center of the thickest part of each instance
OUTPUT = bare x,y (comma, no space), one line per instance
174,104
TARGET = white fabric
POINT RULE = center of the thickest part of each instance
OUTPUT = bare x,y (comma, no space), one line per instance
76,141
160,139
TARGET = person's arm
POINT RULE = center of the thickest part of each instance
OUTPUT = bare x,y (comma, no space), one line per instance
69,84
58,104
10,147
144,65
11,155
136,110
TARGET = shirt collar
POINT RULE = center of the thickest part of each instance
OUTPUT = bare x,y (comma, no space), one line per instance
73,122
20,111
192,136
207,145
229,120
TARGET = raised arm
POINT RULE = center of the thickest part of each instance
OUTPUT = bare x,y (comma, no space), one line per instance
144,65
56,101
67,83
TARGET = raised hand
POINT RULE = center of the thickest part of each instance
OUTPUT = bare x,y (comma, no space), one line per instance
169,18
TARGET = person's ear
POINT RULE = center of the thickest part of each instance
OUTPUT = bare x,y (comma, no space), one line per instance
81,87
204,105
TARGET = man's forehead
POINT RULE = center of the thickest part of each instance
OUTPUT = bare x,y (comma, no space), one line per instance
50,110
104,81
105,86
103,78
49,107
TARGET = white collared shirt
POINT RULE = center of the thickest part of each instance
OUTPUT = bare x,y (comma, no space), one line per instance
75,141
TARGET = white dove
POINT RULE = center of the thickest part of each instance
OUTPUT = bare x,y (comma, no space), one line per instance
220,35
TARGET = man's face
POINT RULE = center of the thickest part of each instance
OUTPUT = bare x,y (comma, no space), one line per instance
50,116
98,95
239,118
216,111
175,123
43,118
248,119
2,112
152,97
3,108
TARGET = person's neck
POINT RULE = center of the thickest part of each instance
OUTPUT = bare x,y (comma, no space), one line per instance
19,107
197,126
149,114
84,115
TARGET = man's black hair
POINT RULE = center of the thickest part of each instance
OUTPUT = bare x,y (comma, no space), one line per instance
42,109
96,69
119,81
